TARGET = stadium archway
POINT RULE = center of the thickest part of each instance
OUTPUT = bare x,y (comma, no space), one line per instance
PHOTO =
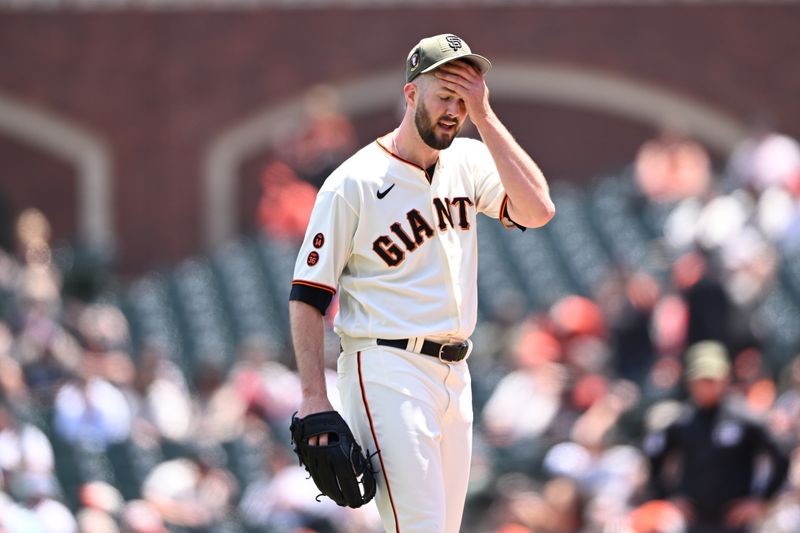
566,85
88,154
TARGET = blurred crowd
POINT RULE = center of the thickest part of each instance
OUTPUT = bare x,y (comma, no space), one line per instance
98,439
576,405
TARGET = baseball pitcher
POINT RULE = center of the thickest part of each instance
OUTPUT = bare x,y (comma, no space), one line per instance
393,233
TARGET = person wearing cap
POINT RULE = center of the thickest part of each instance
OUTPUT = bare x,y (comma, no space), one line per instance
709,461
393,235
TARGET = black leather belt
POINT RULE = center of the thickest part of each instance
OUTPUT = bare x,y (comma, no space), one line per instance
450,353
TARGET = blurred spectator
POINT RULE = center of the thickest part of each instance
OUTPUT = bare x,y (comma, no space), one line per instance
47,352
218,408
556,508
23,446
253,377
657,516
284,499
39,280
326,140
784,515
767,163
15,518
663,380
94,521
194,492
765,159
271,390
672,167
9,284
629,302
37,492
707,303
12,380
786,414
777,216
101,496
751,263
47,368
669,325
576,316
286,202
103,328
91,412
142,517
160,400
707,462
607,474
752,382
537,382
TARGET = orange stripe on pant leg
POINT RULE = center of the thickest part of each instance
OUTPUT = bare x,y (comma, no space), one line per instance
378,446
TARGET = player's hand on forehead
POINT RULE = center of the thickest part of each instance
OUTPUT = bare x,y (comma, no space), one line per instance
467,83
458,75
460,68
463,65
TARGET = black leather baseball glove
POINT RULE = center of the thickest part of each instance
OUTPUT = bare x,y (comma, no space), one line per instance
340,470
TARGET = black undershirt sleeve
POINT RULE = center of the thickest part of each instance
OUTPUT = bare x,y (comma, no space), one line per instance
313,296
506,214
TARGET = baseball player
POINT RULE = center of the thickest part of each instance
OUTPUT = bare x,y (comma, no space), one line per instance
393,233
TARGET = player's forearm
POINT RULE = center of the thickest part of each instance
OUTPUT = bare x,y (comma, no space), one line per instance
308,339
528,193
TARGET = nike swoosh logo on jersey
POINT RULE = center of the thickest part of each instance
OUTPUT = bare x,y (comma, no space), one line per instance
381,194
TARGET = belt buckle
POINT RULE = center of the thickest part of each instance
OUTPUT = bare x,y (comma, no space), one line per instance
441,350
463,349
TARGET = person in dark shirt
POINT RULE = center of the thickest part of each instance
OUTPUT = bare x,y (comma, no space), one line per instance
715,462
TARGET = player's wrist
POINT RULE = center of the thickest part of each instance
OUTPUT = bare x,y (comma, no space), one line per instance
315,402
483,116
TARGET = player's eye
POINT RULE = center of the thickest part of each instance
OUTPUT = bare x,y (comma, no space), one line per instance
445,98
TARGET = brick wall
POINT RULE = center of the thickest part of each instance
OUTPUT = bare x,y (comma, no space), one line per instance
159,86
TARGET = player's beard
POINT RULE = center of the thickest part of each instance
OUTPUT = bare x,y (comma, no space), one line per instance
426,127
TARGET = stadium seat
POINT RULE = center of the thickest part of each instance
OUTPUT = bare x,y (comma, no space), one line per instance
576,241
151,316
197,302
246,292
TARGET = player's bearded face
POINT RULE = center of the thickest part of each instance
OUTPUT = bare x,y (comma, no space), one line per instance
437,131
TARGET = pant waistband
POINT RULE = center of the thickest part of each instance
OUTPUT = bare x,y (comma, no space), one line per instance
350,344
447,353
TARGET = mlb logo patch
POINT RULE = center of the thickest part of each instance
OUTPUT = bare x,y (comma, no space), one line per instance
414,61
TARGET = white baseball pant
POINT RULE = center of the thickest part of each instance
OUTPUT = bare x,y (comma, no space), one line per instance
417,411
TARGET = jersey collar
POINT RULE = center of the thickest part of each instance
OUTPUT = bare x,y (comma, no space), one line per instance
407,162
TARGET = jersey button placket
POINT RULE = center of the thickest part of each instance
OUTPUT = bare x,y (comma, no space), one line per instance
449,254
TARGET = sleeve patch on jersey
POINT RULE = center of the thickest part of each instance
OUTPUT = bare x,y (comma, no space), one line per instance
318,296
313,259
319,240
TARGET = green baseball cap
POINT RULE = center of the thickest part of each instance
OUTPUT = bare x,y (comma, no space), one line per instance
432,52
707,360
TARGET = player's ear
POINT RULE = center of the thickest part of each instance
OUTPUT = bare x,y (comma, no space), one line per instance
410,94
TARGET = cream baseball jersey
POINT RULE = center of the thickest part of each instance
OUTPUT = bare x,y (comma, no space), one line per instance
398,243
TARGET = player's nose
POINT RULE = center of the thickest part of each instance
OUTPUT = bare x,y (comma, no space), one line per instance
456,109
453,108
